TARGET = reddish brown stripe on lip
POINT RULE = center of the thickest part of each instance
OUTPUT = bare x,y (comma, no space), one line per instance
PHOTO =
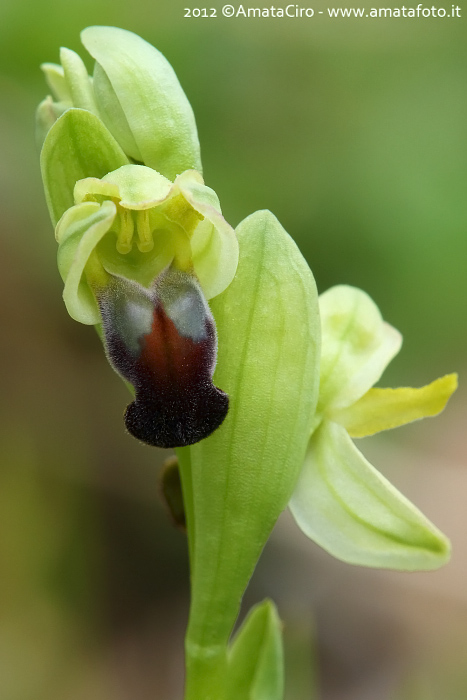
176,403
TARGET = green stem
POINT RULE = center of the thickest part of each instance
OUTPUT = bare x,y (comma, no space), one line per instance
184,463
205,665
206,672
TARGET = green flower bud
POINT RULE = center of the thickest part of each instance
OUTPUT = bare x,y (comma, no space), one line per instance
134,92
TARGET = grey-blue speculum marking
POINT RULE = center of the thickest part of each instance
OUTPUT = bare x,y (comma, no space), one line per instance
163,341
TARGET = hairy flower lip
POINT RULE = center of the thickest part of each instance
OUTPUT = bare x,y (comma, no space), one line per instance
163,341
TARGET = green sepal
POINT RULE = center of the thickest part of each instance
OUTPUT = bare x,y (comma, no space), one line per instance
353,512
77,146
141,101
242,476
77,80
256,658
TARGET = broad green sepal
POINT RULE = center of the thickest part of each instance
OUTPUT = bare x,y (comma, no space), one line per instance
141,101
241,477
357,345
383,409
348,508
256,657
77,146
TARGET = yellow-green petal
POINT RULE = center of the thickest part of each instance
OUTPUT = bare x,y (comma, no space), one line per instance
348,508
78,233
214,244
357,345
382,409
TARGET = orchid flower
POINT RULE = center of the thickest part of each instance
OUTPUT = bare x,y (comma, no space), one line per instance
340,500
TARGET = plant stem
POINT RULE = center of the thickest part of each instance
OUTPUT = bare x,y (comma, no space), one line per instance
206,672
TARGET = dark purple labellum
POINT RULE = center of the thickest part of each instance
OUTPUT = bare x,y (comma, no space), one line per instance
163,341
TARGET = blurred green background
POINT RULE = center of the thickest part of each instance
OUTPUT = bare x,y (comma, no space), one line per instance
354,133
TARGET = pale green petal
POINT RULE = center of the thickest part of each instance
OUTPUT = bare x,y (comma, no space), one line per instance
214,243
356,346
77,146
78,233
382,409
256,659
153,112
348,508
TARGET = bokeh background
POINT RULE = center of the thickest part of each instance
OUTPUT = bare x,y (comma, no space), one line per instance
354,133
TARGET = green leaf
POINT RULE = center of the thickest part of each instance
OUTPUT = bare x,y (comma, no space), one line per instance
356,346
348,508
242,476
141,101
256,657
77,146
